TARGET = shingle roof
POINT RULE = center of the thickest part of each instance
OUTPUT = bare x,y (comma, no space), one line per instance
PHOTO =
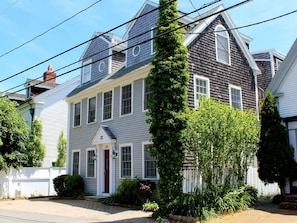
109,132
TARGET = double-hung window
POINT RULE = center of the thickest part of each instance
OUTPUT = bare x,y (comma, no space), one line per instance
126,161
76,114
86,71
222,45
235,97
107,105
92,110
126,99
147,94
150,170
201,88
90,163
75,162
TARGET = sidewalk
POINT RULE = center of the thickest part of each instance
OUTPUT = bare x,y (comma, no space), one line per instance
90,211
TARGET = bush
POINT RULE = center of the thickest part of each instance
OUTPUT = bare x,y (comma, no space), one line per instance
278,199
150,206
132,192
69,185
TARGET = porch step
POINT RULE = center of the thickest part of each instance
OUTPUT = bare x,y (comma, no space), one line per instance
289,203
94,198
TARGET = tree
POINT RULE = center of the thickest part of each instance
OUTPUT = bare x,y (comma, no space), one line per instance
61,160
13,135
168,80
35,148
276,161
221,141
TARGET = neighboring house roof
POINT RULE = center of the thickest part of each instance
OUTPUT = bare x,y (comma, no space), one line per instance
19,98
283,72
40,84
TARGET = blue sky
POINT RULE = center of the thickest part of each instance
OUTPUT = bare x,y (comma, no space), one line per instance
22,20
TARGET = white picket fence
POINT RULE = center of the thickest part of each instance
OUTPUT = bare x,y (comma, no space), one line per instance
29,182
193,179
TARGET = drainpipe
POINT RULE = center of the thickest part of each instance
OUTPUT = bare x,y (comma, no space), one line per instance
32,111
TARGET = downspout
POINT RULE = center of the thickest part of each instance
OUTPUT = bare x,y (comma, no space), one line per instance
271,64
255,73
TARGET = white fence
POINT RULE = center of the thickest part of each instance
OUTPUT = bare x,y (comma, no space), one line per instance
29,182
193,179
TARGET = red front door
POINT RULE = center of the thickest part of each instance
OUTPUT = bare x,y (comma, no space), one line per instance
106,171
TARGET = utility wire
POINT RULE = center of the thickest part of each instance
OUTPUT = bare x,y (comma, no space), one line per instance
9,7
50,29
144,41
72,48
120,43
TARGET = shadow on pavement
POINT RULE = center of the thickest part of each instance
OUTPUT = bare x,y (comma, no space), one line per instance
268,206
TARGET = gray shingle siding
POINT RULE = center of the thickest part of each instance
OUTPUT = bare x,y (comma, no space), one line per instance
202,61
142,25
262,56
118,60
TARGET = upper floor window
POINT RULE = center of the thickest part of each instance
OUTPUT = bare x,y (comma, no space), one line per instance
86,71
101,66
92,110
126,161
126,99
107,105
147,94
235,97
222,45
90,163
154,31
136,50
75,162
201,87
76,114
150,169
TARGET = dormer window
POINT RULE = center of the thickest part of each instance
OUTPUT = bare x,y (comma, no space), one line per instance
101,66
86,71
222,45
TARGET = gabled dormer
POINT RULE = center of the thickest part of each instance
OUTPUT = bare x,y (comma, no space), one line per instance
104,55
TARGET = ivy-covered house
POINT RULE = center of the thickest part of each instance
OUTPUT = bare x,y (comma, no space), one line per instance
108,134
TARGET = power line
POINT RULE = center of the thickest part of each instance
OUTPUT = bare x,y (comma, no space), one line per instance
50,29
9,7
72,48
144,41
118,44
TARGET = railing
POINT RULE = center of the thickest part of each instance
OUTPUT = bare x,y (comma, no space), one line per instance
29,182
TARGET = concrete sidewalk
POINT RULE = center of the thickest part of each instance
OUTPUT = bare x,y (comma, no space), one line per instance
86,211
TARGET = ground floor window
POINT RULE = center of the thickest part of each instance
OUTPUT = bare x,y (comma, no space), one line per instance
91,163
150,170
75,162
126,161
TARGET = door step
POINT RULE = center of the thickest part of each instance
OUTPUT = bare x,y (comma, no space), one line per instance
289,203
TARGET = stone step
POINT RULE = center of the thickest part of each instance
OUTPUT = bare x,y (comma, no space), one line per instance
291,198
94,198
288,205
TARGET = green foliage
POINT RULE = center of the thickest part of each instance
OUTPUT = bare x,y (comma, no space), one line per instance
132,192
168,81
223,141
69,185
35,148
61,160
150,206
276,161
205,205
13,134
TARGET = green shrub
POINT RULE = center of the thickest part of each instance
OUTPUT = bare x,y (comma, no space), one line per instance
69,185
278,199
150,206
132,192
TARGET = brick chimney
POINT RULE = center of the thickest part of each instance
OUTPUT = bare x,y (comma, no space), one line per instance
49,76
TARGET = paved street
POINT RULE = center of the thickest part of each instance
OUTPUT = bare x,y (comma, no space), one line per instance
67,211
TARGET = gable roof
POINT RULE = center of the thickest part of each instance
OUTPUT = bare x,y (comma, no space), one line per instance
284,69
203,22
103,135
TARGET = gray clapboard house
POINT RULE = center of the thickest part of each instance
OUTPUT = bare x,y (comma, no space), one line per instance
108,134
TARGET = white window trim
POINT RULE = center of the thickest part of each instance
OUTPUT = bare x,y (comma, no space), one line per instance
230,96
100,63
112,106
143,164
120,159
143,94
136,54
195,91
131,113
73,115
228,37
88,104
152,40
82,75
79,160
87,150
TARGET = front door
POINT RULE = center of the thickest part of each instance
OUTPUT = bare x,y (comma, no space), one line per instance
106,171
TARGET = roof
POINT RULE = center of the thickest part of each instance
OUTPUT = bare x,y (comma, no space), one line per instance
281,75
40,84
